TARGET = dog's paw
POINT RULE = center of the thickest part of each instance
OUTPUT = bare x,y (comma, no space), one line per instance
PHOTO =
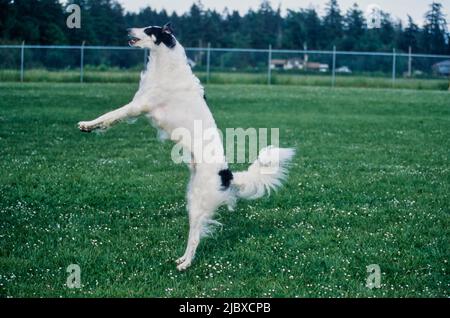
85,127
183,266
180,260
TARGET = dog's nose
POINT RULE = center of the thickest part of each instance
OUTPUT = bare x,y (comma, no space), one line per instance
129,30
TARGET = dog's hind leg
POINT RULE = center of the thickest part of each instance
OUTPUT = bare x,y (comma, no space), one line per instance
196,223
200,214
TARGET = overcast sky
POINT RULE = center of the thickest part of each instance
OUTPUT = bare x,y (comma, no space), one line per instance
398,8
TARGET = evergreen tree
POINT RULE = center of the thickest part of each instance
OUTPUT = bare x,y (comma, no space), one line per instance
434,32
312,27
104,22
146,17
387,32
303,27
108,22
213,29
354,30
192,26
332,24
51,22
410,37
7,19
263,26
232,27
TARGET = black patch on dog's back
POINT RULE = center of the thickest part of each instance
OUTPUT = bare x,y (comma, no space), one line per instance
226,176
161,36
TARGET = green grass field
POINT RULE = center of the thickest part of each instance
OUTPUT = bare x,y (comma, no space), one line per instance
370,185
320,80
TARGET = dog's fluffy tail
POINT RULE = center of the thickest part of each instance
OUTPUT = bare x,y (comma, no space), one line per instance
265,174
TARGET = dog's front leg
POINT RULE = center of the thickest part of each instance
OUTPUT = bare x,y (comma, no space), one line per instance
132,109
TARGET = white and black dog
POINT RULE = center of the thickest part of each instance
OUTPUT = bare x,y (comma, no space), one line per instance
171,96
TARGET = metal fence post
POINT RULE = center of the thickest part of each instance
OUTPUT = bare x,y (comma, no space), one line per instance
269,69
409,62
22,61
82,62
305,56
394,66
208,63
333,74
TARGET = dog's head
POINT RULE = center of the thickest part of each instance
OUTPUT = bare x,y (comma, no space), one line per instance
152,37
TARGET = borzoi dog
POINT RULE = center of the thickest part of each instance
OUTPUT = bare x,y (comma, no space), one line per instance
171,96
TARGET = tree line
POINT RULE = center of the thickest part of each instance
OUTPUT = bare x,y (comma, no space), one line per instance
103,22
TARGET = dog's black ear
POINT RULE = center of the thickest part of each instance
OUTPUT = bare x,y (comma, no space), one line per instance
167,28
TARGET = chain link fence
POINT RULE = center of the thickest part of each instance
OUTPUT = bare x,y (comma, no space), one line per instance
27,63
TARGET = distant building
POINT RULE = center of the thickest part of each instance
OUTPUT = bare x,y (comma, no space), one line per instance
277,64
313,66
442,68
297,64
289,64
